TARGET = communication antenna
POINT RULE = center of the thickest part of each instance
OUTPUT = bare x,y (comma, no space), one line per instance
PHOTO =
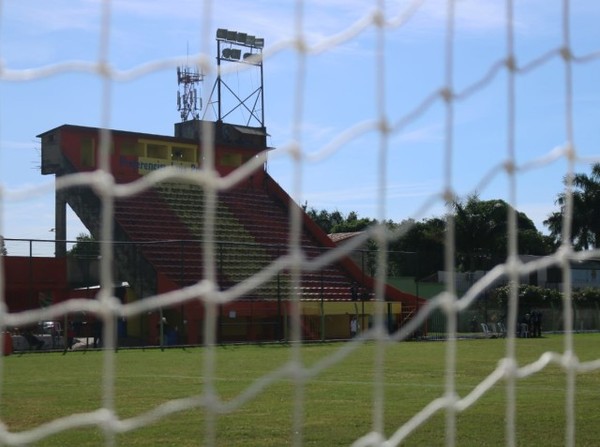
188,103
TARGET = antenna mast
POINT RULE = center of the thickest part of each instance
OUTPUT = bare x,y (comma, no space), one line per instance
188,102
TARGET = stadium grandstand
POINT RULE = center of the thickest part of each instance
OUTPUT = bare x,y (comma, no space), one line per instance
159,235
158,239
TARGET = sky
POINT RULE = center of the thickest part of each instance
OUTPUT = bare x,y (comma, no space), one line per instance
352,74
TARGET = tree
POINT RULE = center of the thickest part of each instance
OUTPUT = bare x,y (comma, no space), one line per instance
324,218
481,233
585,216
419,252
3,251
529,296
86,247
481,238
477,224
352,223
336,222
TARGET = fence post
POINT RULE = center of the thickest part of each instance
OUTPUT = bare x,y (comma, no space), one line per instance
279,327
161,330
322,311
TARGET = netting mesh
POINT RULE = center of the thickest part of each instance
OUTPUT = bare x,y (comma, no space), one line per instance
386,128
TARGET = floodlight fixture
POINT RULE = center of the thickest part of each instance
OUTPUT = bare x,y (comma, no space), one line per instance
238,47
232,54
240,38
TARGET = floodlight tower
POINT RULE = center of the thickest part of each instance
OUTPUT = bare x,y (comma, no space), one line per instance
241,48
188,103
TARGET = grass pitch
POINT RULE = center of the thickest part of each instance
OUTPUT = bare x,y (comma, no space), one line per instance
338,401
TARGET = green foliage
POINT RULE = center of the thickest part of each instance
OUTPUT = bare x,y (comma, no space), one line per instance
3,251
481,237
336,222
532,242
585,216
419,252
529,296
588,297
352,224
481,228
534,296
324,218
85,248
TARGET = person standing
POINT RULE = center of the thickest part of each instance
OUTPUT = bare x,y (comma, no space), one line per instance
97,332
353,327
536,323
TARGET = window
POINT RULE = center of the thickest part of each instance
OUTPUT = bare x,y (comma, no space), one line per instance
157,151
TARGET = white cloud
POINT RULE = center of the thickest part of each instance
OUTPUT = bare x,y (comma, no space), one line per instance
428,133
6,145
33,18
369,192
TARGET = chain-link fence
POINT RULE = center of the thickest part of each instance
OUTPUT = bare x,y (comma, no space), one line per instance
333,304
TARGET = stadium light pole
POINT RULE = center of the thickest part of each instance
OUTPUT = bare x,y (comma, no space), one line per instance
234,43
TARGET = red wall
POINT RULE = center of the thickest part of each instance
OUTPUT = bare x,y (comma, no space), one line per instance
124,167
34,282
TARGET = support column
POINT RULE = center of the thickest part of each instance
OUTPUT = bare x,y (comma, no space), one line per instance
60,224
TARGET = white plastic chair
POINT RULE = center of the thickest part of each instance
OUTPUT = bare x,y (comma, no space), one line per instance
486,331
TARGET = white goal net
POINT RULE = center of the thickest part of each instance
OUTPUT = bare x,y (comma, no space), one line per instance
403,99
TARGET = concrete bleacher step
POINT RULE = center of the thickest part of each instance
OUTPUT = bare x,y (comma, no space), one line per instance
251,231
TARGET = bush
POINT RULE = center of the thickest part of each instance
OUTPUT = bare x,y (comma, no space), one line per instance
588,297
535,296
529,296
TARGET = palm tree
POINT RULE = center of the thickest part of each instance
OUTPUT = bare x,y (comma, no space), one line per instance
478,226
481,233
585,216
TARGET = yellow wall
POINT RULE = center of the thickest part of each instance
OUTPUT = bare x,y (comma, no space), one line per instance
337,316
156,154
134,323
346,307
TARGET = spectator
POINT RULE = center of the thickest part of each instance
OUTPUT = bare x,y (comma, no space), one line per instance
70,336
353,327
474,325
524,326
33,341
97,332
536,323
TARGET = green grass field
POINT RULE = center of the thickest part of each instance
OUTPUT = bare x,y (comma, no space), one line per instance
38,388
